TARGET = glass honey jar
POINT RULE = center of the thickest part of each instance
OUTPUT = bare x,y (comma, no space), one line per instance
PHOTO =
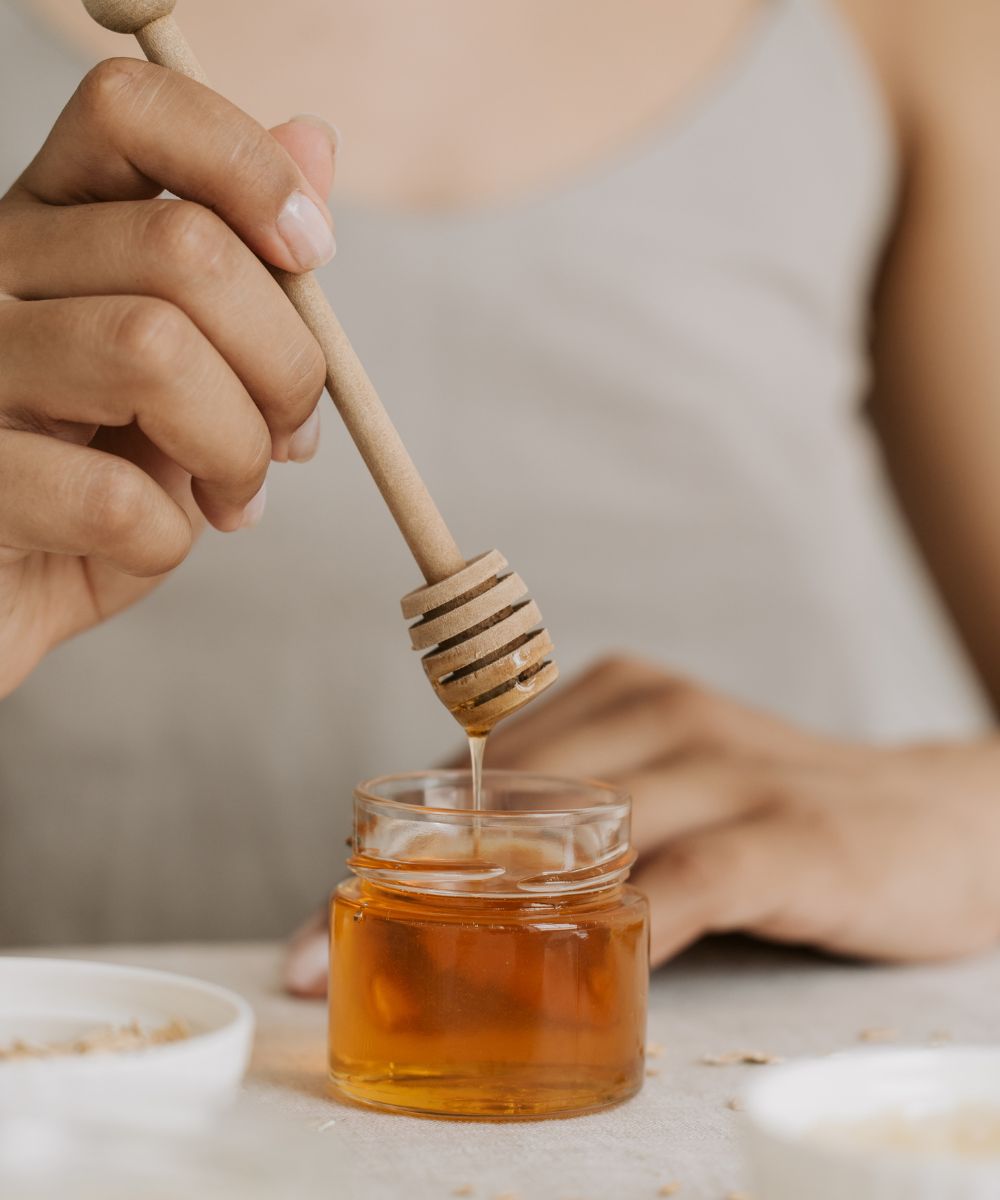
488,962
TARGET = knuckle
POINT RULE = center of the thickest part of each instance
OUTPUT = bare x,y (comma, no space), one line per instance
684,694
189,238
615,668
122,522
150,337
113,501
770,794
105,88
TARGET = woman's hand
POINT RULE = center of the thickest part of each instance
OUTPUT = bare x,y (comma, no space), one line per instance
151,366
745,823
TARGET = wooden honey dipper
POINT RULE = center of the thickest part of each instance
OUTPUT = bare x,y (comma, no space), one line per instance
485,652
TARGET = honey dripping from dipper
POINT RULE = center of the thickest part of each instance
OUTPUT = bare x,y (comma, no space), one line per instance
484,649
477,748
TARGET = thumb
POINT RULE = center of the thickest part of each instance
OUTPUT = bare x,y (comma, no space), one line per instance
313,143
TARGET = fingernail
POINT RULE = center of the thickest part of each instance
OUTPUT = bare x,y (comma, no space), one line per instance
306,233
255,509
307,965
331,130
304,442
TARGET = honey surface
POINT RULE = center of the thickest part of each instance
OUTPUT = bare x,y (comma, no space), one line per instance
487,1008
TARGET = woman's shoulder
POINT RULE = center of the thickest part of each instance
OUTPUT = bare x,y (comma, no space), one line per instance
937,62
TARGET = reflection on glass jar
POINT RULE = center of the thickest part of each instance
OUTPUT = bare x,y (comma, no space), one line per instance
490,962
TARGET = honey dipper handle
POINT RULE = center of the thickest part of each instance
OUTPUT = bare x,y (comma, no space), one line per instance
414,511
162,42
374,434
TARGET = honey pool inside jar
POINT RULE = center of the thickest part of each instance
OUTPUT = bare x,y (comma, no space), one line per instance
493,963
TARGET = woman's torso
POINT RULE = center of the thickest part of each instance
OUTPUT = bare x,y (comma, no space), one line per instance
643,385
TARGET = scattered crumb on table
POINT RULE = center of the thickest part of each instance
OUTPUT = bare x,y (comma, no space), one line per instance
735,1104
670,1189
652,1072
654,1049
731,1058
878,1033
464,1189
938,1037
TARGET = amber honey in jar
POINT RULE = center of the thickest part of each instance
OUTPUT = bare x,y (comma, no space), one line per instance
488,962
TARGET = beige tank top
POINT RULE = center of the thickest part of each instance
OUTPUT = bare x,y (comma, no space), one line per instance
644,386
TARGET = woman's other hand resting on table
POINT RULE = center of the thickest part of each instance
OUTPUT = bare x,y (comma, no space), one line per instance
745,823
152,367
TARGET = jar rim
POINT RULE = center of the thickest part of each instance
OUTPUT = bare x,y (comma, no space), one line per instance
576,838
616,801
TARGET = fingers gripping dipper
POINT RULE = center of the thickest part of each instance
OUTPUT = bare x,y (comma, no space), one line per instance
485,654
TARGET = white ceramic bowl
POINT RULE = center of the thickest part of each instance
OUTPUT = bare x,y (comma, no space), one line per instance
179,1084
786,1107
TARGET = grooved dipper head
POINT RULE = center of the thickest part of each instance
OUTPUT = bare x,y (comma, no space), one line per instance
485,653
128,16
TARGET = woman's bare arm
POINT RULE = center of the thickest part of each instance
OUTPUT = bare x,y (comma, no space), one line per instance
936,398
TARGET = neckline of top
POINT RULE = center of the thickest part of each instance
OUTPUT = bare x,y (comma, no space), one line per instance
682,116
697,105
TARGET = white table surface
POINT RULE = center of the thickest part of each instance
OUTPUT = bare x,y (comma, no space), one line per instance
723,995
